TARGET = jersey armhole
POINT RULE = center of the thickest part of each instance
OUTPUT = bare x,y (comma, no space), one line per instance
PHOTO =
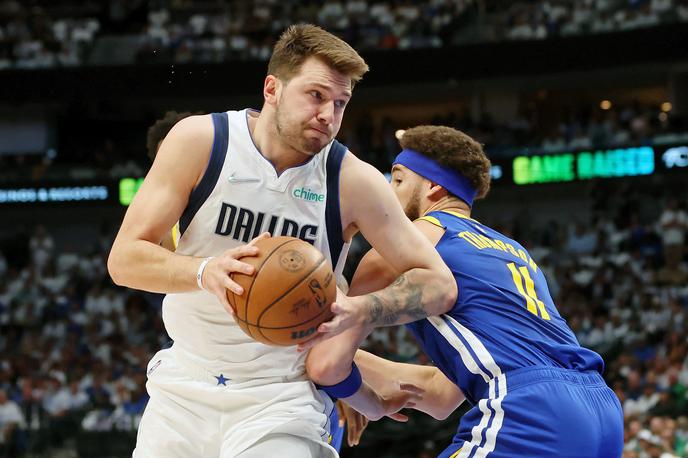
212,173
333,219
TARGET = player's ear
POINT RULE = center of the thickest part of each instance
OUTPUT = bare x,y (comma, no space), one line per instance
435,191
271,87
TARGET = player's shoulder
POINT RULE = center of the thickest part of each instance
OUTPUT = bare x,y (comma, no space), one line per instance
358,171
191,137
194,133
195,127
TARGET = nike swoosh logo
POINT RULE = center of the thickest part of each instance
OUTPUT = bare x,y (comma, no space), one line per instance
235,179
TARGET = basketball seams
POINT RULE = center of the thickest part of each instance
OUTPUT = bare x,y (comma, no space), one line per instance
255,273
297,324
266,337
279,335
305,277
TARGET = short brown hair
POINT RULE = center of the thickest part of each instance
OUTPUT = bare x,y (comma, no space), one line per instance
302,41
453,149
159,130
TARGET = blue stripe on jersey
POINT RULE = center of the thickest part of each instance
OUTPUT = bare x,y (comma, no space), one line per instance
212,173
333,219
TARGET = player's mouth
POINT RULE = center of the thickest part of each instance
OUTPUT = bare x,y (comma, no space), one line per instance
326,134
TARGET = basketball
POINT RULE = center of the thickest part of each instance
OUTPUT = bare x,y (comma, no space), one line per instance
289,294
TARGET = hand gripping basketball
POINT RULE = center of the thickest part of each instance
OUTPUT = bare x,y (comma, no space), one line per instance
345,314
217,274
289,294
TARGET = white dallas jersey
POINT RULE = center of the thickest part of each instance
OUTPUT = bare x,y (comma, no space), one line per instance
239,197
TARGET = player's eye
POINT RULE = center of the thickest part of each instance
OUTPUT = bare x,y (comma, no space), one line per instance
340,103
316,94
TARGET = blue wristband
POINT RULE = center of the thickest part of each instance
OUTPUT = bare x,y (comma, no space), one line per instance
346,387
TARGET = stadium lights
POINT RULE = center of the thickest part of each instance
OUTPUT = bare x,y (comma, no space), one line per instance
605,104
665,107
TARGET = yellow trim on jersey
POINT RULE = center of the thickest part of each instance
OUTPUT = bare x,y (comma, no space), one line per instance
175,235
329,439
432,220
456,453
460,216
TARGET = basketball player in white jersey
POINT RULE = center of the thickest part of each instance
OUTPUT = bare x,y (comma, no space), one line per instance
228,178
340,415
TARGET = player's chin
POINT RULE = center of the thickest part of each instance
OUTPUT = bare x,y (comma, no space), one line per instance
313,146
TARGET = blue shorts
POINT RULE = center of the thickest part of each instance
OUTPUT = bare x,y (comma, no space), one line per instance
542,411
336,431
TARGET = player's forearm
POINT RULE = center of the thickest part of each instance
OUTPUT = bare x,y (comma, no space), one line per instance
329,362
440,397
146,266
384,375
443,396
414,295
367,402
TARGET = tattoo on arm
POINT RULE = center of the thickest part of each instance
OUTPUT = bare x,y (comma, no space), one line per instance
402,300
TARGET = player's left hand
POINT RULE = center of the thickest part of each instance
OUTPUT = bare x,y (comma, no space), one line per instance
406,397
346,315
355,421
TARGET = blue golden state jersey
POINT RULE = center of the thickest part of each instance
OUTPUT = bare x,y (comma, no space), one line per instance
504,317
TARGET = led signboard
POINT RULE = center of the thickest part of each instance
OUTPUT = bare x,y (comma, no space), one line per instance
54,194
676,157
557,168
128,188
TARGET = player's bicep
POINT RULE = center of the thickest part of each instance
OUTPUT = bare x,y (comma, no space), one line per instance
373,273
383,223
164,194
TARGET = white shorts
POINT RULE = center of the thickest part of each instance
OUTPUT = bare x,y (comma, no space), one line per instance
192,414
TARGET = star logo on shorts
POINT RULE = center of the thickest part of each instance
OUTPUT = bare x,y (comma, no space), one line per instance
221,380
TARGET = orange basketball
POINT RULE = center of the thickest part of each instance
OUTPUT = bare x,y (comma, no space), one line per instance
289,294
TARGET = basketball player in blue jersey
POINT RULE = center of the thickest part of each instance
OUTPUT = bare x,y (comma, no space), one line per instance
534,391
227,178
339,416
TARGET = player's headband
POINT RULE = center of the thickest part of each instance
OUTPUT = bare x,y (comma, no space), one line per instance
451,180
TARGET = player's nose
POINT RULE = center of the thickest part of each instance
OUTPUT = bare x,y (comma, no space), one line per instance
326,112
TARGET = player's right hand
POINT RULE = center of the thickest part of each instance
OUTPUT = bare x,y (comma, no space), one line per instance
346,316
216,276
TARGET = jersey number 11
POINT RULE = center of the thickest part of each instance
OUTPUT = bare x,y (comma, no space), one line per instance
521,275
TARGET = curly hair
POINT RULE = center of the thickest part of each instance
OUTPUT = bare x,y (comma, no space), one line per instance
454,150
159,130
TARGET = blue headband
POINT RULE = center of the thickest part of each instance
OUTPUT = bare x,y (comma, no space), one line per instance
450,180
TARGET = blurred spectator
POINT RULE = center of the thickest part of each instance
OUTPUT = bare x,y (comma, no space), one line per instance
673,224
41,246
75,347
11,425
581,240
43,36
